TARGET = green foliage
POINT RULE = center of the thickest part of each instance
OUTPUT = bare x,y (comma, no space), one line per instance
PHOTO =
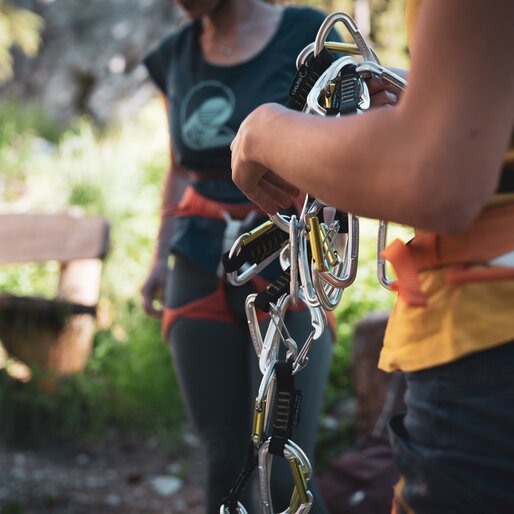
18,27
13,508
129,381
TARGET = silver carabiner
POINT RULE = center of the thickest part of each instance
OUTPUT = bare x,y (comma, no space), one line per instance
240,509
367,69
271,340
351,258
253,323
294,284
383,279
328,24
312,104
301,471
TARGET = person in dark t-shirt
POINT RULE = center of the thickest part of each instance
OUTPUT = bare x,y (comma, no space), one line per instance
229,58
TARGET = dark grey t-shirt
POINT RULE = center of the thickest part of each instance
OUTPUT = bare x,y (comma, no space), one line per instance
207,104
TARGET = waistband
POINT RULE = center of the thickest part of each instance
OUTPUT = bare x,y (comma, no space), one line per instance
489,237
193,203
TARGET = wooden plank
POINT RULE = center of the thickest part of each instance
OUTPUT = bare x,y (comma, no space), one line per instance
38,237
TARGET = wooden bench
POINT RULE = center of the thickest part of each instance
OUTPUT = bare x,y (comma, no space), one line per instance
56,333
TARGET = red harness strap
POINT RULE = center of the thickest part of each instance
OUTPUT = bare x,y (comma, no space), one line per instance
490,236
214,307
193,203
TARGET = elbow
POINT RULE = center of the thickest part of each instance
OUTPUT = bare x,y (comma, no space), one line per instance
450,218
450,203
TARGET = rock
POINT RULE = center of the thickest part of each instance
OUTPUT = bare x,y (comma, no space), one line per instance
83,459
166,485
370,383
112,500
89,60
19,459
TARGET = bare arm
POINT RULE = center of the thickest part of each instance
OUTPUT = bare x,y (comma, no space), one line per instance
432,161
174,186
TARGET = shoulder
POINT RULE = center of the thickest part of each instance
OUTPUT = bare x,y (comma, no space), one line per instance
176,39
303,23
306,16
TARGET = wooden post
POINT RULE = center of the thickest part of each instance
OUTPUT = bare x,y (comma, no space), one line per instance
54,334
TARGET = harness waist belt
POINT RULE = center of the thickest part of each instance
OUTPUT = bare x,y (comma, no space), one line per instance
193,203
490,236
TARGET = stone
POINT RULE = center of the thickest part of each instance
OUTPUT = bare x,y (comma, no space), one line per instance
371,384
165,485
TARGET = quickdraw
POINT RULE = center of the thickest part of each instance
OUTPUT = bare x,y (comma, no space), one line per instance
318,252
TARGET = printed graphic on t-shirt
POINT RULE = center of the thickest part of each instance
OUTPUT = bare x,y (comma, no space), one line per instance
205,110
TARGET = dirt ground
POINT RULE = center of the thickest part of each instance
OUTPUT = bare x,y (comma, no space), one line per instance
119,477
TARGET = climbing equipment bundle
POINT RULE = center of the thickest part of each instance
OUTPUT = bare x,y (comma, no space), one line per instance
318,252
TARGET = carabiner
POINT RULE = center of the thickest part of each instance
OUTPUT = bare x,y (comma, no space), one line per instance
239,510
273,335
367,69
253,323
312,104
263,404
328,24
383,279
301,471
351,258
294,284
239,278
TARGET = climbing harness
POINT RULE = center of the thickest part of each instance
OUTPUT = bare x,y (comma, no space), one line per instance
318,253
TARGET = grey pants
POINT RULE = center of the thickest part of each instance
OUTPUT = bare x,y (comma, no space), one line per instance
219,377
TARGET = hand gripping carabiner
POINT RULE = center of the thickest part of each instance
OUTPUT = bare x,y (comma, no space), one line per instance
301,470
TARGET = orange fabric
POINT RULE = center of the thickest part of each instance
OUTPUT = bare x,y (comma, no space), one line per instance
211,307
488,237
404,263
214,307
195,204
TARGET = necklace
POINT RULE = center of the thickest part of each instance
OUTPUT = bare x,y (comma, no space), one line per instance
227,50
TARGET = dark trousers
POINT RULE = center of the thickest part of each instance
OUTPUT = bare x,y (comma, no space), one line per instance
455,445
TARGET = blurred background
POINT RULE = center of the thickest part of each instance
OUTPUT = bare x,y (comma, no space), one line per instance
82,133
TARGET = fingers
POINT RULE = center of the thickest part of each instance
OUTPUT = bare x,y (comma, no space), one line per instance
148,296
383,98
382,92
279,196
285,186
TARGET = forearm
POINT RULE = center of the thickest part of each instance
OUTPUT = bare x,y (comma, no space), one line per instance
174,186
432,161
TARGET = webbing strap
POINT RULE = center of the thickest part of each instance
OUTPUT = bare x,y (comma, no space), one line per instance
256,251
306,77
346,95
286,405
230,501
274,291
